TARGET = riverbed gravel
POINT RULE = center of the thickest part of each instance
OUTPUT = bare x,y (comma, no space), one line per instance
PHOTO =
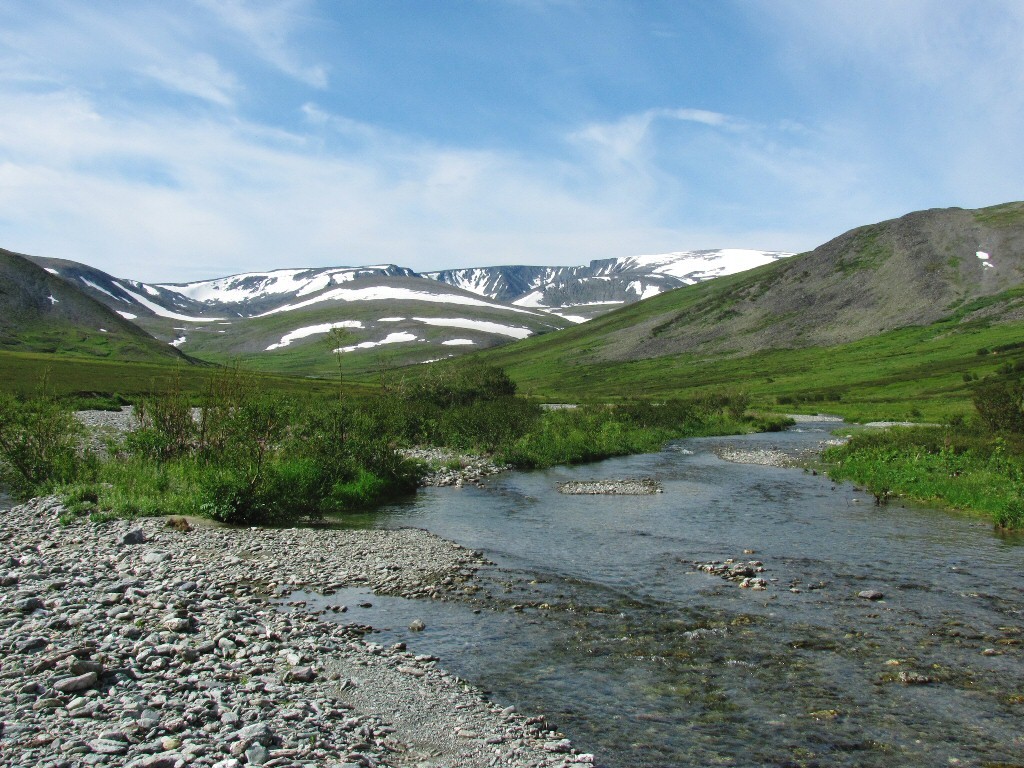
642,486
144,645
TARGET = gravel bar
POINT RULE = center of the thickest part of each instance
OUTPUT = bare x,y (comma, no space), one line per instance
138,644
643,486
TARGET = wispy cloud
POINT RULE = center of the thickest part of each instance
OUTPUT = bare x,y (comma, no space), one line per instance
177,142
200,76
624,139
267,26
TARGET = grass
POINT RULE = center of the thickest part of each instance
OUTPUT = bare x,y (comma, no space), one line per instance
962,468
914,373
257,456
84,378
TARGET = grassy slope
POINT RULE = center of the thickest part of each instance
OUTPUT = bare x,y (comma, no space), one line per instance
42,313
25,373
246,340
914,370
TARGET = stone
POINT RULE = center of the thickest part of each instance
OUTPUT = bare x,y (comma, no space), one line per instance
870,594
79,683
259,732
154,557
109,746
177,624
417,625
166,760
559,747
300,675
134,536
257,754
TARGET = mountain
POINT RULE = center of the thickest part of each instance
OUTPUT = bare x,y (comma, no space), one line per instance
42,313
583,292
963,268
284,320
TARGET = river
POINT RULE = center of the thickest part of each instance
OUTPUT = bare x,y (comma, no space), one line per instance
596,614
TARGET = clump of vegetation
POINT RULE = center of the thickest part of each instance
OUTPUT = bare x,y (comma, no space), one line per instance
39,445
972,464
242,455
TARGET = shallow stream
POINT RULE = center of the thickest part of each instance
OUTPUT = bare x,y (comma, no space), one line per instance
596,615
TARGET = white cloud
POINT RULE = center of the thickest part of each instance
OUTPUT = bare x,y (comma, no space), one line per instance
624,138
912,106
266,26
199,76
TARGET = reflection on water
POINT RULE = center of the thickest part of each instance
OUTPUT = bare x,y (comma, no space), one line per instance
595,615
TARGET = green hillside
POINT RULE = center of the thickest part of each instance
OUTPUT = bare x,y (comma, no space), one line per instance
42,313
884,321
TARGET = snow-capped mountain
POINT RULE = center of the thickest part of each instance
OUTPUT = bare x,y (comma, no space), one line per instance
285,317
579,293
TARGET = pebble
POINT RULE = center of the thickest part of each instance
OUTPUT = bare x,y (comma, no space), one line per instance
743,573
471,468
871,594
157,648
643,486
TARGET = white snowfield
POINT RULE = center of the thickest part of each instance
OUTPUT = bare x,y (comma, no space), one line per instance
693,266
476,325
458,343
103,290
179,341
312,330
390,293
391,338
255,285
532,299
159,311
127,315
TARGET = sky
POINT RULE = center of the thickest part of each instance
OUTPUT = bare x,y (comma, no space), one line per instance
180,141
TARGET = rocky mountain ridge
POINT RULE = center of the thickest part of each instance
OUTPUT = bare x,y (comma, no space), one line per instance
279,320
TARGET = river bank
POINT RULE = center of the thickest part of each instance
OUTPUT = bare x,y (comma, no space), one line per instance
142,644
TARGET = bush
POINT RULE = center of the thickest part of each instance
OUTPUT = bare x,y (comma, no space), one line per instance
164,427
39,446
1000,405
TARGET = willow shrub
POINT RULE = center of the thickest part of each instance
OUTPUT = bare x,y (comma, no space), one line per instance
40,446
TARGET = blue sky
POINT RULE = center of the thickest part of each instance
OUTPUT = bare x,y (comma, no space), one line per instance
177,141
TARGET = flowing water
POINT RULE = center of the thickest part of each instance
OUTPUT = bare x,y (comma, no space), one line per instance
596,615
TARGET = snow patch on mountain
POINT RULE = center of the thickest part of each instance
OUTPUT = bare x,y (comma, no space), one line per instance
391,293
312,330
156,309
252,286
103,290
476,325
391,338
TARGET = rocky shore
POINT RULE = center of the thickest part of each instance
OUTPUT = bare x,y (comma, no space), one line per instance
450,468
145,645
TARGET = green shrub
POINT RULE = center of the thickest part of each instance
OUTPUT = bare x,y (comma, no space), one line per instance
1000,404
39,446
